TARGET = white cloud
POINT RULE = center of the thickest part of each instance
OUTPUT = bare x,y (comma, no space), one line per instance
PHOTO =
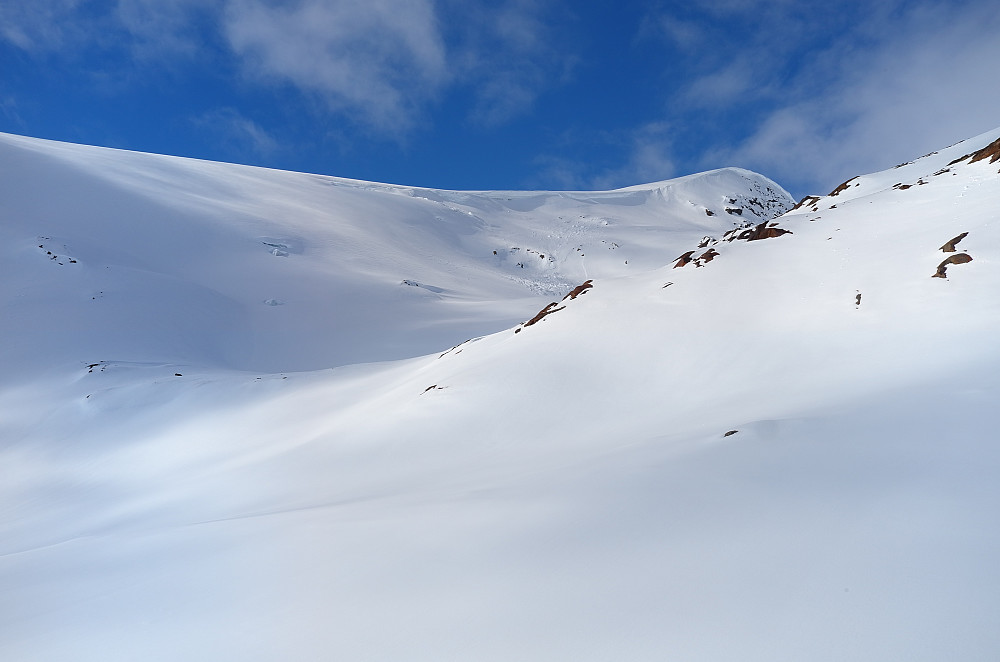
649,159
920,82
237,133
377,63
648,151
157,28
686,35
147,28
38,26
376,59
8,106
508,53
729,84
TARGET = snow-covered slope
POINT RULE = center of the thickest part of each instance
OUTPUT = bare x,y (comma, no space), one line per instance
111,255
780,446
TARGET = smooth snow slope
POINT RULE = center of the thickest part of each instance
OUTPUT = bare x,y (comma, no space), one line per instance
560,490
121,256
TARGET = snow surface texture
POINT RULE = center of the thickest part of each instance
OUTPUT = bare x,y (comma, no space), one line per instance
780,446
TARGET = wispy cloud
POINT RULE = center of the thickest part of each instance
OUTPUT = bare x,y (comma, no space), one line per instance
649,159
236,133
922,80
38,27
378,58
812,93
158,29
8,106
379,64
646,156
507,53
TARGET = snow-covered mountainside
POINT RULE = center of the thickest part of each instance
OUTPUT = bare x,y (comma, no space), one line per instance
682,426
111,255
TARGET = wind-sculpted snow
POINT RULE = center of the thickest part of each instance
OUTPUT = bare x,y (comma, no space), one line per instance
780,446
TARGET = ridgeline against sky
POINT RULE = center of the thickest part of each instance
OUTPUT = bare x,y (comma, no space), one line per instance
512,94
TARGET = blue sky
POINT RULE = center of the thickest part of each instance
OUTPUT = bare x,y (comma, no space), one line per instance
508,94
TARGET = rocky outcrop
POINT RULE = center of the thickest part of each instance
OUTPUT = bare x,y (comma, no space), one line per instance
958,258
950,246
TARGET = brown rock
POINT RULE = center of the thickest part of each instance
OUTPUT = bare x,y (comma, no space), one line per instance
547,310
958,258
578,290
843,187
684,259
762,232
805,202
950,246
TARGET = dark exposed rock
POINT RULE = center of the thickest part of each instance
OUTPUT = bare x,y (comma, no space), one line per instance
762,232
843,187
991,152
579,289
730,433
707,256
950,246
805,202
958,258
684,259
547,310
